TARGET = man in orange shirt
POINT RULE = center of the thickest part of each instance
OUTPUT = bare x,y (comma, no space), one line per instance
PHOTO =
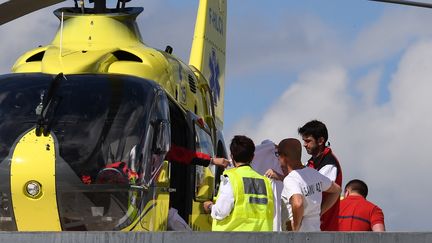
358,214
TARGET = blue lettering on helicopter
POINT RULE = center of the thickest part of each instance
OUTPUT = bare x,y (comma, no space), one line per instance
214,76
216,21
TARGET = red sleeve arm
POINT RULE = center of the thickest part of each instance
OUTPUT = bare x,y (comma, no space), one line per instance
377,216
185,156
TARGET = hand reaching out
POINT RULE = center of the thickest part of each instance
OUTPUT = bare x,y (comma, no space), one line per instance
221,162
270,173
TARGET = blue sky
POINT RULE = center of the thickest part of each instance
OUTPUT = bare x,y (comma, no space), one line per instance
361,67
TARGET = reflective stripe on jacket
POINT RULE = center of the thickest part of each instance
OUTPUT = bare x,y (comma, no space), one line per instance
253,202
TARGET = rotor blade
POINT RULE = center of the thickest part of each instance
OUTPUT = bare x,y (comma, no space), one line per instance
410,3
14,9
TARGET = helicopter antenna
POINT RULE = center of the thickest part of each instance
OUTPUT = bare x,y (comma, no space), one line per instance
409,3
81,3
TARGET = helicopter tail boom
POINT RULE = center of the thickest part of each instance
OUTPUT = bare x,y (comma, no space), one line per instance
208,49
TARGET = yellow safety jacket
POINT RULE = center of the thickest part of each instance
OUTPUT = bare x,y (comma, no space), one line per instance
253,202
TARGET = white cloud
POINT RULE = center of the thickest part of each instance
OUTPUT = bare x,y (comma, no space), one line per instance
299,42
412,81
393,31
295,42
368,86
314,95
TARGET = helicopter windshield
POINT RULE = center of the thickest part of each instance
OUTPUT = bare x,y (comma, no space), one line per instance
101,125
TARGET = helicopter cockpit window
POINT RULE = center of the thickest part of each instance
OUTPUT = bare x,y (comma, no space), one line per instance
17,114
100,133
204,176
100,124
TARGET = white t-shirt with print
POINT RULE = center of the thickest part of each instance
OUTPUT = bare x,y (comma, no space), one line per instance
309,183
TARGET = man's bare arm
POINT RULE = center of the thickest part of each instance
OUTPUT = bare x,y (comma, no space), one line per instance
297,207
378,227
333,195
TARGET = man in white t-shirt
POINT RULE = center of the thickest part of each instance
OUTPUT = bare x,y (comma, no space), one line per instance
303,187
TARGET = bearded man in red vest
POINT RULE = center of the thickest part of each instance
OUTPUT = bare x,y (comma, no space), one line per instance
315,136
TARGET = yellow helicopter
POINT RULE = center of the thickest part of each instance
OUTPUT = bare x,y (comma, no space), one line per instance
87,122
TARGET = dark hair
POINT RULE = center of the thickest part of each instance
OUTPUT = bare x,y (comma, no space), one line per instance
314,128
242,149
358,186
291,148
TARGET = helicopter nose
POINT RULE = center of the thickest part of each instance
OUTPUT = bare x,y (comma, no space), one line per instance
33,183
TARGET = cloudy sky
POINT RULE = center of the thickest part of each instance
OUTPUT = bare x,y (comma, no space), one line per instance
361,67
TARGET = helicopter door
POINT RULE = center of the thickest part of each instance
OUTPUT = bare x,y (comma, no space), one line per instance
156,141
204,177
154,169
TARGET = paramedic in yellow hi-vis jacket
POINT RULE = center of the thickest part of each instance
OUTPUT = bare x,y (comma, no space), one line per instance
245,199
